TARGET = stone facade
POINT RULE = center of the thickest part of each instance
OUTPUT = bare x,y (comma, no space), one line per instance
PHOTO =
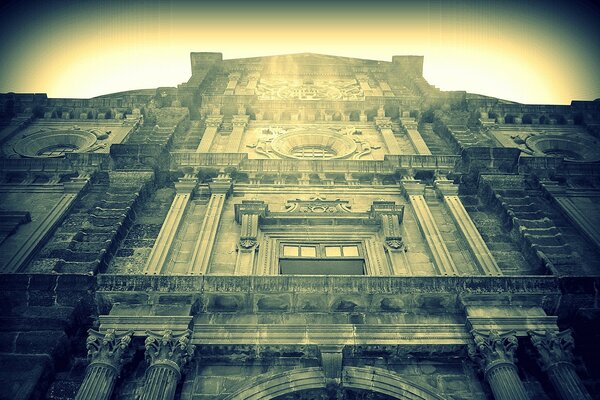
299,227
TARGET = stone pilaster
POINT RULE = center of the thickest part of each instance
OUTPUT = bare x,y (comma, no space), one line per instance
477,247
239,126
219,188
107,352
212,123
184,190
384,126
414,191
390,216
247,214
414,136
27,249
166,355
555,354
494,353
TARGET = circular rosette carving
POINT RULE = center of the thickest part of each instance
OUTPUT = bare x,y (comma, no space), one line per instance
55,143
313,145
570,149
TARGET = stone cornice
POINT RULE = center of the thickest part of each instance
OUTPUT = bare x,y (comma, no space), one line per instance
532,285
389,165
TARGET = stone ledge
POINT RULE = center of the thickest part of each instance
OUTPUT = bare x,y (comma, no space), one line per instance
329,284
345,334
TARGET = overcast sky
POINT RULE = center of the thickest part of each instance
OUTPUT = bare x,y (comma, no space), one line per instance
532,52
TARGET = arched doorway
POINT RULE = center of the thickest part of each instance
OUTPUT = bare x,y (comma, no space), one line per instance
364,383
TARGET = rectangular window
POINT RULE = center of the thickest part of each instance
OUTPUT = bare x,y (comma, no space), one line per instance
321,259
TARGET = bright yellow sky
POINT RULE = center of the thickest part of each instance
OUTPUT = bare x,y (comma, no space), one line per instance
515,52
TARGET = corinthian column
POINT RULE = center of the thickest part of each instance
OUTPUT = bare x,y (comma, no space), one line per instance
555,351
106,352
166,354
494,353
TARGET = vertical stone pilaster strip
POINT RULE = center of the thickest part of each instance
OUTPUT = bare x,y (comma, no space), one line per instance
414,136
390,216
29,247
247,214
555,355
384,125
107,352
239,126
184,190
477,247
212,122
574,213
202,254
166,354
414,191
494,353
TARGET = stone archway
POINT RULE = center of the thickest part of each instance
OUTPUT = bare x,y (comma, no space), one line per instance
369,379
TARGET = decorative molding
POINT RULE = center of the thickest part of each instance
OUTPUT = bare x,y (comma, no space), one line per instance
491,348
108,348
552,347
167,348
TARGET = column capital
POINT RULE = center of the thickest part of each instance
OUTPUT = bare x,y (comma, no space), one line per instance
213,120
253,207
108,348
413,187
186,184
221,184
76,184
240,120
446,187
490,349
166,348
383,123
553,347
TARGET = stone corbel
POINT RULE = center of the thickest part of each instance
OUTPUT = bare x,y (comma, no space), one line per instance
390,214
331,361
247,214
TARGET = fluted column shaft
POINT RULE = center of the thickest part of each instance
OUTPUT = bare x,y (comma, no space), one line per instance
494,353
161,382
98,383
166,354
107,353
555,353
505,383
566,382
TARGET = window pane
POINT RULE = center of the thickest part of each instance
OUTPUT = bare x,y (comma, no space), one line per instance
333,251
350,251
308,251
290,251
